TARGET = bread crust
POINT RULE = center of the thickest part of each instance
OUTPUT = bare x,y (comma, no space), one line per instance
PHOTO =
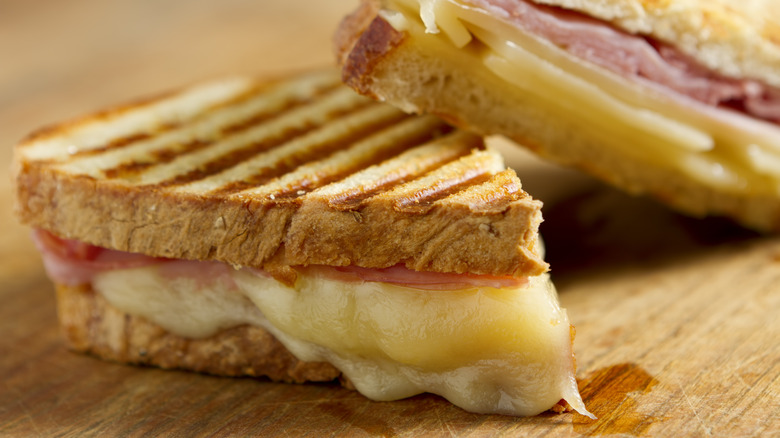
91,325
418,80
373,45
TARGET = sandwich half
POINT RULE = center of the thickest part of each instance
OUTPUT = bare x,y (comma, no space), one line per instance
678,100
296,230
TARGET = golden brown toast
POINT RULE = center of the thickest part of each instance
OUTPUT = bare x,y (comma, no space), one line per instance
295,171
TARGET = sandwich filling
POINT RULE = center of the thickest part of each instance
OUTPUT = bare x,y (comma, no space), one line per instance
630,92
487,344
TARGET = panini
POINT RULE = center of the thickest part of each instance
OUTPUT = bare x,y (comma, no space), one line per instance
294,229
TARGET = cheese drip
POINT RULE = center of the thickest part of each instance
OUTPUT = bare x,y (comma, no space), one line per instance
717,147
486,350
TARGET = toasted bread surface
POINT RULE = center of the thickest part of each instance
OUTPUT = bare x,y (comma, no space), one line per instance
91,325
295,171
446,82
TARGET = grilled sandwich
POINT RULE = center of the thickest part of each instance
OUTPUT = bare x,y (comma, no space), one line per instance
296,230
678,100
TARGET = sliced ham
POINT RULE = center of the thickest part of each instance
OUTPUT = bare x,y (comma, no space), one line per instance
402,276
71,262
636,56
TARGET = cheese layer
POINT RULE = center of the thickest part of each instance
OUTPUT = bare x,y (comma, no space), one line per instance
716,146
486,350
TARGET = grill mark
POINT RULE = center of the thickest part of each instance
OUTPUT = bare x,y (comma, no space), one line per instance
159,156
120,142
114,144
168,154
306,185
54,130
502,191
237,156
167,127
241,125
355,199
422,201
295,102
315,153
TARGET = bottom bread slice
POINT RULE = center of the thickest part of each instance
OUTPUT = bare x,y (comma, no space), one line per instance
92,325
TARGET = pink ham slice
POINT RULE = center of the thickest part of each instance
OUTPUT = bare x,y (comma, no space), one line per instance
72,263
636,57
433,281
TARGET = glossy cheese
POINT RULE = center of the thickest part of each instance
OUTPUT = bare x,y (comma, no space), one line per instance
486,350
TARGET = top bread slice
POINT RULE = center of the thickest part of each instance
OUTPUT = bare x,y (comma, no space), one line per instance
388,60
277,173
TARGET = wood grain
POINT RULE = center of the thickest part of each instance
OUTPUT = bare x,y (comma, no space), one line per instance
677,319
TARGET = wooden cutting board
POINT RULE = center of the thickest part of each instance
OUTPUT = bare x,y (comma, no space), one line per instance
677,319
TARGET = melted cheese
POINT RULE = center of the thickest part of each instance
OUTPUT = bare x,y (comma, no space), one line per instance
486,350
720,148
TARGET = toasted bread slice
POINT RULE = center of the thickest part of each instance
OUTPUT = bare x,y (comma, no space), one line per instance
682,104
253,173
